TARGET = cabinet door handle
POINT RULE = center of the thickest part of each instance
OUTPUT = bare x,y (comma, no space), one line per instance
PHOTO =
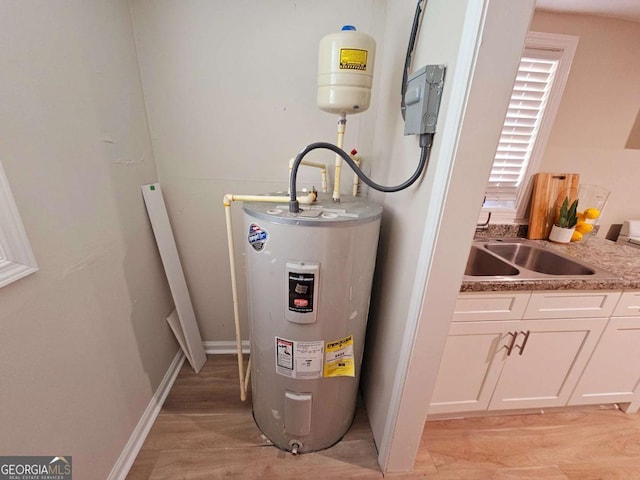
524,342
509,347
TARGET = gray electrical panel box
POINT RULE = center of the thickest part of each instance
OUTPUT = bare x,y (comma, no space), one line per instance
422,100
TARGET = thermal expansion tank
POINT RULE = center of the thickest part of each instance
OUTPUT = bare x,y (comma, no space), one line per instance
345,71
309,281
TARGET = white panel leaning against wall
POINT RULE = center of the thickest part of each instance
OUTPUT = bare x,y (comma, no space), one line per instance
16,256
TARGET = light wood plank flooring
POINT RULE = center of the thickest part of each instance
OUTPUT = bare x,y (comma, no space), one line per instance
205,432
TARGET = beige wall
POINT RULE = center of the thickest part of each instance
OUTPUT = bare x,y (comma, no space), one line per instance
231,95
84,342
425,228
599,107
404,212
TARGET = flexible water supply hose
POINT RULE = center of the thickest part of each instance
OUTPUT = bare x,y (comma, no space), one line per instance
425,144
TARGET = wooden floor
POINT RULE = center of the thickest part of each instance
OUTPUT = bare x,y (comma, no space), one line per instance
205,432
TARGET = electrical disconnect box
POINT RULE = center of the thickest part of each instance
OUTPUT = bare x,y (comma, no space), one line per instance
422,99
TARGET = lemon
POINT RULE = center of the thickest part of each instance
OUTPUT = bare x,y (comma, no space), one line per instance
592,213
580,215
583,227
576,237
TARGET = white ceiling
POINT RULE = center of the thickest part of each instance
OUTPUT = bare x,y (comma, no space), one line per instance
624,9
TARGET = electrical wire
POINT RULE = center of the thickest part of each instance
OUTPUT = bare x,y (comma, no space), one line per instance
425,144
407,59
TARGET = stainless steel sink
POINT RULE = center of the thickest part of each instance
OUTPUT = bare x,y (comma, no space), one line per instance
522,259
481,264
538,259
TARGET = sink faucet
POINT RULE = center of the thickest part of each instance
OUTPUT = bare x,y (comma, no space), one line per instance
480,227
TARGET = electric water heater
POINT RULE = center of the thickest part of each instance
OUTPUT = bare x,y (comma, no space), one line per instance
309,279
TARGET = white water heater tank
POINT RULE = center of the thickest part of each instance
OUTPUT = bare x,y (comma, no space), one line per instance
309,281
345,71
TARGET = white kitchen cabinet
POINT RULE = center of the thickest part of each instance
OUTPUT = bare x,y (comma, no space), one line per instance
475,307
628,305
613,372
473,359
513,364
570,304
543,371
500,356
475,349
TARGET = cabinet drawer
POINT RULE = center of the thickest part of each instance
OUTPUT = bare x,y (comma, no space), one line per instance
474,307
628,305
571,304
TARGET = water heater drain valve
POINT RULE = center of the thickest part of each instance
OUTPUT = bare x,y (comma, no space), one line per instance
296,446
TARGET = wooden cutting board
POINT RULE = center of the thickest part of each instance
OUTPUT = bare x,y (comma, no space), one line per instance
549,189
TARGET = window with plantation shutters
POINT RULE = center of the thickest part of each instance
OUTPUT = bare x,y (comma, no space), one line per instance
535,98
521,125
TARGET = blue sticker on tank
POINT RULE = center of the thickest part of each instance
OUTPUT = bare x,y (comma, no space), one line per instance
257,237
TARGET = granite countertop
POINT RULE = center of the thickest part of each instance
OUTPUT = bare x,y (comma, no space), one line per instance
621,261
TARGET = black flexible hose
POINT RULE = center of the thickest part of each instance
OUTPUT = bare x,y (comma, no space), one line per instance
425,143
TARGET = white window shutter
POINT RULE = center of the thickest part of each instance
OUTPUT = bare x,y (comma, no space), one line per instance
537,92
533,84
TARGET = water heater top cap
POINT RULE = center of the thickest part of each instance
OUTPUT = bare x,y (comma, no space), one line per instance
348,27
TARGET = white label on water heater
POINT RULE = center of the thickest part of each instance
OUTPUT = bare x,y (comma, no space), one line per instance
299,359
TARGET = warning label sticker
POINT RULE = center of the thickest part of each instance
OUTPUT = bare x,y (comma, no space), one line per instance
353,59
284,354
338,360
299,359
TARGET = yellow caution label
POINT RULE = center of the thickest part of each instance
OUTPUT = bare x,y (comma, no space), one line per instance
338,358
353,59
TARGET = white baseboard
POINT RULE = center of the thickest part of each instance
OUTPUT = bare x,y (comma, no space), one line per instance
221,347
137,438
139,435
